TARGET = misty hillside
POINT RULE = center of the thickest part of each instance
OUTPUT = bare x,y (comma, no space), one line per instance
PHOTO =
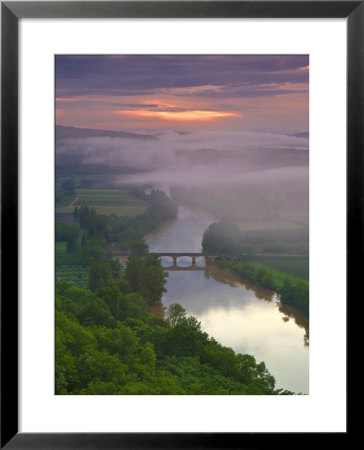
304,134
249,177
63,132
248,158
174,154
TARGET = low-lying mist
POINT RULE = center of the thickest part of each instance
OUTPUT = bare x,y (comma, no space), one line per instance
246,176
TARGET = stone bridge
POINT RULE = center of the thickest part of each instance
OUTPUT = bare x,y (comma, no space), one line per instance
192,255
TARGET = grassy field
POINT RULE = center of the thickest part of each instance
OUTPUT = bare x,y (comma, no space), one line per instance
117,210
290,221
279,277
294,265
118,197
120,202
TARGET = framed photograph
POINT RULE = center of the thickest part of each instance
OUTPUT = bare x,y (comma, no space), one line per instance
181,201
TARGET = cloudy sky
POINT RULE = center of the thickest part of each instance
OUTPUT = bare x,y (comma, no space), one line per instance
243,93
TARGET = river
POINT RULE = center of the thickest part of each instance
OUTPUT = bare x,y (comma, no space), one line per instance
236,313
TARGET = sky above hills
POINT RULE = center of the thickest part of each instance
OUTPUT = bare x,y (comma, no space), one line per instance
184,92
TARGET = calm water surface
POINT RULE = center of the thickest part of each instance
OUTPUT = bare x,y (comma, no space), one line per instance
236,313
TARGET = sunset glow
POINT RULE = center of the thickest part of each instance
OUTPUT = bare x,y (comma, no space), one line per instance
164,165
181,115
227,92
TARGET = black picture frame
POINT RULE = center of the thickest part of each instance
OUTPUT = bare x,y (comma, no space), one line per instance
11,12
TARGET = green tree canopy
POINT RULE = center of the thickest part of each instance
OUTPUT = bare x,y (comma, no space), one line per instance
139,248
175,314
100,275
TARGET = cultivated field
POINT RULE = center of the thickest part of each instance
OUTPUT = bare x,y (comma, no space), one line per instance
76,275
106,201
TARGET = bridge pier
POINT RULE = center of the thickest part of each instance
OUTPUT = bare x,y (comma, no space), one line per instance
193,261
174,261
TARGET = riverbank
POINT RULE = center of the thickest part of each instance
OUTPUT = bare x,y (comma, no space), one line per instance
107,343
247,318
292,290
237,313
94,237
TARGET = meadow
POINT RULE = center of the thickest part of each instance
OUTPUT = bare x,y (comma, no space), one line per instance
279,277
294,265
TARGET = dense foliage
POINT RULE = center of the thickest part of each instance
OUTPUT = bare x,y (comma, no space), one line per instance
226,237
125,230
291,294
108,343
295,295
259,276
91,236
223,237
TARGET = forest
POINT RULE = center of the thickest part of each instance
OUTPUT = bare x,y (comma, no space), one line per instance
107,340
92,236
226,237
108,343
182,224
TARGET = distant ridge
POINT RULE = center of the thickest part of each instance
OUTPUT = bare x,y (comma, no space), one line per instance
304,134
63,132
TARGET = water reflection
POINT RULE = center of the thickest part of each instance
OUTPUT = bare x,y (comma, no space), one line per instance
183,234
229,311
227,277
299,318
236,313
